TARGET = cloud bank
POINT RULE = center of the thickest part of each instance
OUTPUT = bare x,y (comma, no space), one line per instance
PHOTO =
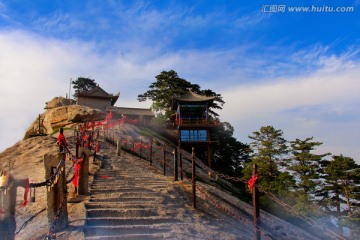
307,93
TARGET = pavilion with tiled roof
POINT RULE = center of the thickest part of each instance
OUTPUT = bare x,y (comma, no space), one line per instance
97,98
195,126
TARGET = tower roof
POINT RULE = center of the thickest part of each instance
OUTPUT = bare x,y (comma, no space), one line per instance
193,97
98,92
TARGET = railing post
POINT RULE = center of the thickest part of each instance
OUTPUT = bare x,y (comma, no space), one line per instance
7,204
133,148
140,151
255,199
77,145
175,165
193,179
209,158
56,195
83,181
120,145
150,158
164,159
118,148
181,165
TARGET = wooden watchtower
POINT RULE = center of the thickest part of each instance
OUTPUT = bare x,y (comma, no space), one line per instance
195,126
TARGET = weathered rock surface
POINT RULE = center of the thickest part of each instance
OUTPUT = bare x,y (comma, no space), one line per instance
63,116
59,102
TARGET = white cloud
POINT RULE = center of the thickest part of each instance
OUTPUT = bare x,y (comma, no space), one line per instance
325,105
253,20
34,69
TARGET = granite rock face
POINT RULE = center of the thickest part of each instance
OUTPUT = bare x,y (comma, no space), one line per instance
59,102
62,116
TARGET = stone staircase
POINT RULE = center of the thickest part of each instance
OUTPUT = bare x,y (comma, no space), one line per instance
130,201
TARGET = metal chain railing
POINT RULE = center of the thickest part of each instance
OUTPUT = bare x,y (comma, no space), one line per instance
208,197
310,221
286,206
51,232
215,203
68,173
53,178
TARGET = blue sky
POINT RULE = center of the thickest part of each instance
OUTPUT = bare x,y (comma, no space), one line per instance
298,71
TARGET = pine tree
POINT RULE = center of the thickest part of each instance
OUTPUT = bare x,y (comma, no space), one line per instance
168,85
82,84
269,148
342,181
306,164
230,155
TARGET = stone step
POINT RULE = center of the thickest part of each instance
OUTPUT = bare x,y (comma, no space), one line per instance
134,188
116,221
134,176
117,205
119,199
127,184
120,193
113,181
132,229
132,237
124,189
93,213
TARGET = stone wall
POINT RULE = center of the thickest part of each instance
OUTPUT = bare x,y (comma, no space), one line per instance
98,103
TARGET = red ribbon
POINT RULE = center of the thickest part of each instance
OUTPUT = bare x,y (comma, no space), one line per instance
105,177
76,174
25,183
97,147
251,182
138,146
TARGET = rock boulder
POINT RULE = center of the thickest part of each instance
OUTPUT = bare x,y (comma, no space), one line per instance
59,102
63,116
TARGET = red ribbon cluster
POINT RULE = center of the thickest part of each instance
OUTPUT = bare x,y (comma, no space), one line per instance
91,125
125,119
105,122
138,146
251,182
